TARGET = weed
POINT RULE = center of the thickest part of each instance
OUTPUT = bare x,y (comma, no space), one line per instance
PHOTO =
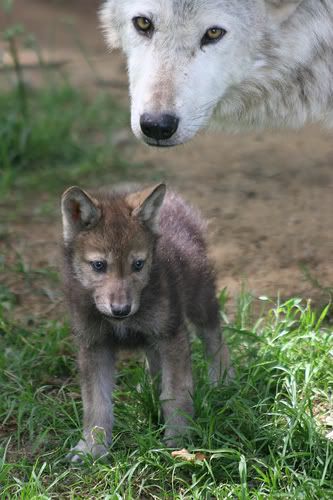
61,131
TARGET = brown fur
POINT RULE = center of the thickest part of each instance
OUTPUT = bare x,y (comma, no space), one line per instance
176,284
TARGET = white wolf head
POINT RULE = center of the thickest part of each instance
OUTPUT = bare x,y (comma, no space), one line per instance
184,56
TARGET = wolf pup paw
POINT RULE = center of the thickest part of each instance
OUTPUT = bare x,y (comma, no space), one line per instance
82,449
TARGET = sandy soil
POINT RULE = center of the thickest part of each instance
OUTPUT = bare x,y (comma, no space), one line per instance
268,196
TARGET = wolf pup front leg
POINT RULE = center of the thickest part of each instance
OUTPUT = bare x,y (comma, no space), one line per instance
96,364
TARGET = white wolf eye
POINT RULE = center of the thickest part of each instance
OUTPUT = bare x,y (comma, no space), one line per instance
143,25
213,35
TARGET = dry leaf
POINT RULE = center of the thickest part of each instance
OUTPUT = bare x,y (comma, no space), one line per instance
187,456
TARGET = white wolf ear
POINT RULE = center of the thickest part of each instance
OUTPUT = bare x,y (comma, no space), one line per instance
146,204
79,211
281,10
110,23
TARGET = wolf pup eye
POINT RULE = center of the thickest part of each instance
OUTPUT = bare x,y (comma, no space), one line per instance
143,25
138,265
98,265
213,35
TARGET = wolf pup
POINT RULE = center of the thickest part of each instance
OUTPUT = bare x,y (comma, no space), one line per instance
135,270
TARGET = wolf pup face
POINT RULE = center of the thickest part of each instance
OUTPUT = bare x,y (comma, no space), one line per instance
185,56
112,241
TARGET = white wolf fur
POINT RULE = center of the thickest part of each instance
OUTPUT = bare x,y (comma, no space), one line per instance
273,68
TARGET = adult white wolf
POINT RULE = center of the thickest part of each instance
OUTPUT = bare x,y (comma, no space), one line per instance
248,63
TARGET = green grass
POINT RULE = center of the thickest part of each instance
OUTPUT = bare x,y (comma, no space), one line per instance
261,436
62,135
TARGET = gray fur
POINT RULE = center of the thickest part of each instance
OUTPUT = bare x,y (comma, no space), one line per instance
273,68
175,286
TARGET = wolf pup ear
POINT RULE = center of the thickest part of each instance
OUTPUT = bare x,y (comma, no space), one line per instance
147,203
79,211
281,10
110,23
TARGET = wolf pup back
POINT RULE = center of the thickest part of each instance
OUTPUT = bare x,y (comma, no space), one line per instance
135,273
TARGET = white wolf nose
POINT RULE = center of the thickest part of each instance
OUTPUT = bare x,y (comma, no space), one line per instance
159,127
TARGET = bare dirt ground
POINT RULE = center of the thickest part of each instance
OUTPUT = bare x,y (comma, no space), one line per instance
268,196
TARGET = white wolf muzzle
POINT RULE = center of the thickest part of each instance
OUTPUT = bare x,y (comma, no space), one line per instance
190,58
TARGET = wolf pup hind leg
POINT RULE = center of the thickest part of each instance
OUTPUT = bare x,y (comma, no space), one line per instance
203,311
135,271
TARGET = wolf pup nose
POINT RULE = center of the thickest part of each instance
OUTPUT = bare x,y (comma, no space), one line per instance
120,311
135,273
